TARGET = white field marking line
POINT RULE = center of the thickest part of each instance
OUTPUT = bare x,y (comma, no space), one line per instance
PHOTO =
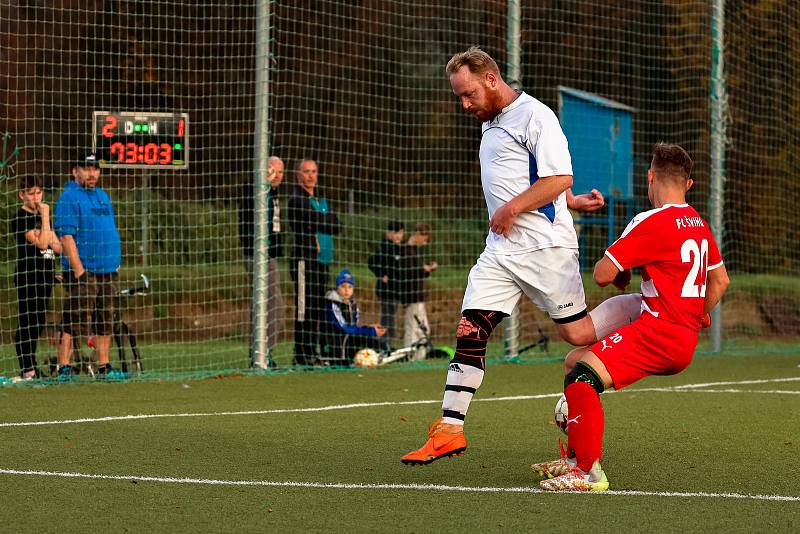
770,391
423,487
738,383
682,389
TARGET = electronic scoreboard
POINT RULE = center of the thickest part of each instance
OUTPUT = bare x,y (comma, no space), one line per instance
133,139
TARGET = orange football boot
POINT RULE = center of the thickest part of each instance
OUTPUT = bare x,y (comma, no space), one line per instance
443,440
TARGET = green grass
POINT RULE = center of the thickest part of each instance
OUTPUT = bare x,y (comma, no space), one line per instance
739,439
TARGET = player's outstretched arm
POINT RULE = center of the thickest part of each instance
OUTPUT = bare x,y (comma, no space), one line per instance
716,284
587,202
605,272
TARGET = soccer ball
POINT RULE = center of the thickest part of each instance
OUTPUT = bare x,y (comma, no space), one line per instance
562,415
366,358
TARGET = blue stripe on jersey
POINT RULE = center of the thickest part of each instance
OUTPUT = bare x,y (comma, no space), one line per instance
549,210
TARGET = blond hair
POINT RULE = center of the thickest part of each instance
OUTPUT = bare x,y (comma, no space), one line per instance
423,229
475,59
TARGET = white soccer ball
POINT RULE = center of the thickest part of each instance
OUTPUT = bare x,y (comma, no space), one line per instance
366,358
562,414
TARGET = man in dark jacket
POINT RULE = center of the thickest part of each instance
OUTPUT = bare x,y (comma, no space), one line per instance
313,225
415,270
385,264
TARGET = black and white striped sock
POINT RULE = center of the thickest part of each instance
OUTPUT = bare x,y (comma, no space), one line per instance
463,380
465,374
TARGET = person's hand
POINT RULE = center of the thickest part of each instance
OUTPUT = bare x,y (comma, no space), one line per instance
44,209
588,201
380,331
705,322
622,279
503,219
80,279
430,267
385,278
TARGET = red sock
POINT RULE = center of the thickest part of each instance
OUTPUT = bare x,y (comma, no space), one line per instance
586,420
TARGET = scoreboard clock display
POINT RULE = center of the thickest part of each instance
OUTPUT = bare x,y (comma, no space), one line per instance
134,140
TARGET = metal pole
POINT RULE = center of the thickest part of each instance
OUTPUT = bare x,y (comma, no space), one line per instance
144,248
260,349
719,110
511,335
514,79
514,70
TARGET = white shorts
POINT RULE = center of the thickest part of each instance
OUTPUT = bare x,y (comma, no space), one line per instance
550,277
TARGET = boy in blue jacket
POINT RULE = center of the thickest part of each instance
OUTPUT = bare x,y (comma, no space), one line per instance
342,335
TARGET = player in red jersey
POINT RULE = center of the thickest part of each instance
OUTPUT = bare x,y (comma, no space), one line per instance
683,278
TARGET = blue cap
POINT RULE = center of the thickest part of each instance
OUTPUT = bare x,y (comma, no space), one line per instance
345,277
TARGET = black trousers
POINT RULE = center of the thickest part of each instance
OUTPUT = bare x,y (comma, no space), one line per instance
33,294
310,279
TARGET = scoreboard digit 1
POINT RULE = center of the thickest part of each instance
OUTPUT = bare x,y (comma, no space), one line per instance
134,139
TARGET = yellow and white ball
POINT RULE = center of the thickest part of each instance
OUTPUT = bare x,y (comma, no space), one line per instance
366,358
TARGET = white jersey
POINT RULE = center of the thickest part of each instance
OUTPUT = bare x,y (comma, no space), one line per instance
521,144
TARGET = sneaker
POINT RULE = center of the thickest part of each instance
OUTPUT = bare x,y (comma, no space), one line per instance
28,376
577,480
555,468
443,440
67,373
106,372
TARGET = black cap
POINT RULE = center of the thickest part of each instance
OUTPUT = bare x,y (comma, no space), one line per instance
395,226
87,159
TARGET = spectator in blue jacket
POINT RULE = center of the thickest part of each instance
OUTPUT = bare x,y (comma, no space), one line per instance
91,257
342,335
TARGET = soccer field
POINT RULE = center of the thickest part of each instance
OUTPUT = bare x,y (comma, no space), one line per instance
712,449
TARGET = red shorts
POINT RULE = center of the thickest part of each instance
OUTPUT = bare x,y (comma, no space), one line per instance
648,346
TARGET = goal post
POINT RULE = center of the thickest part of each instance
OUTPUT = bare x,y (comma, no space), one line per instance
259,347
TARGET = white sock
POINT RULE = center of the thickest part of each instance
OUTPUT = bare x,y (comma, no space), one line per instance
462,383
613,313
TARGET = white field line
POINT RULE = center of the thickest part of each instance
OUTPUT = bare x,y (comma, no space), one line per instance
739,383
769,391
362,486
682,389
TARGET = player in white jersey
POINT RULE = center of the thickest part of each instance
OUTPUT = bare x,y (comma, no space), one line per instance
532,248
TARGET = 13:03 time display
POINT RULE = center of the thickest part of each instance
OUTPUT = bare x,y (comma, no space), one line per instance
141,139
149,154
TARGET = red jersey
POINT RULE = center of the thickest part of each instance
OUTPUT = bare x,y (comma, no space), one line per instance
675,249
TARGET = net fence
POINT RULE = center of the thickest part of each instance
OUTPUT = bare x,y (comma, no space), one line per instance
358,88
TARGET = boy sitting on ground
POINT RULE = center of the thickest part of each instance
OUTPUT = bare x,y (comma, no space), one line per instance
342,335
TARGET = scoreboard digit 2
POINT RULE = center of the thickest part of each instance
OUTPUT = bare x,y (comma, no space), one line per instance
134,140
